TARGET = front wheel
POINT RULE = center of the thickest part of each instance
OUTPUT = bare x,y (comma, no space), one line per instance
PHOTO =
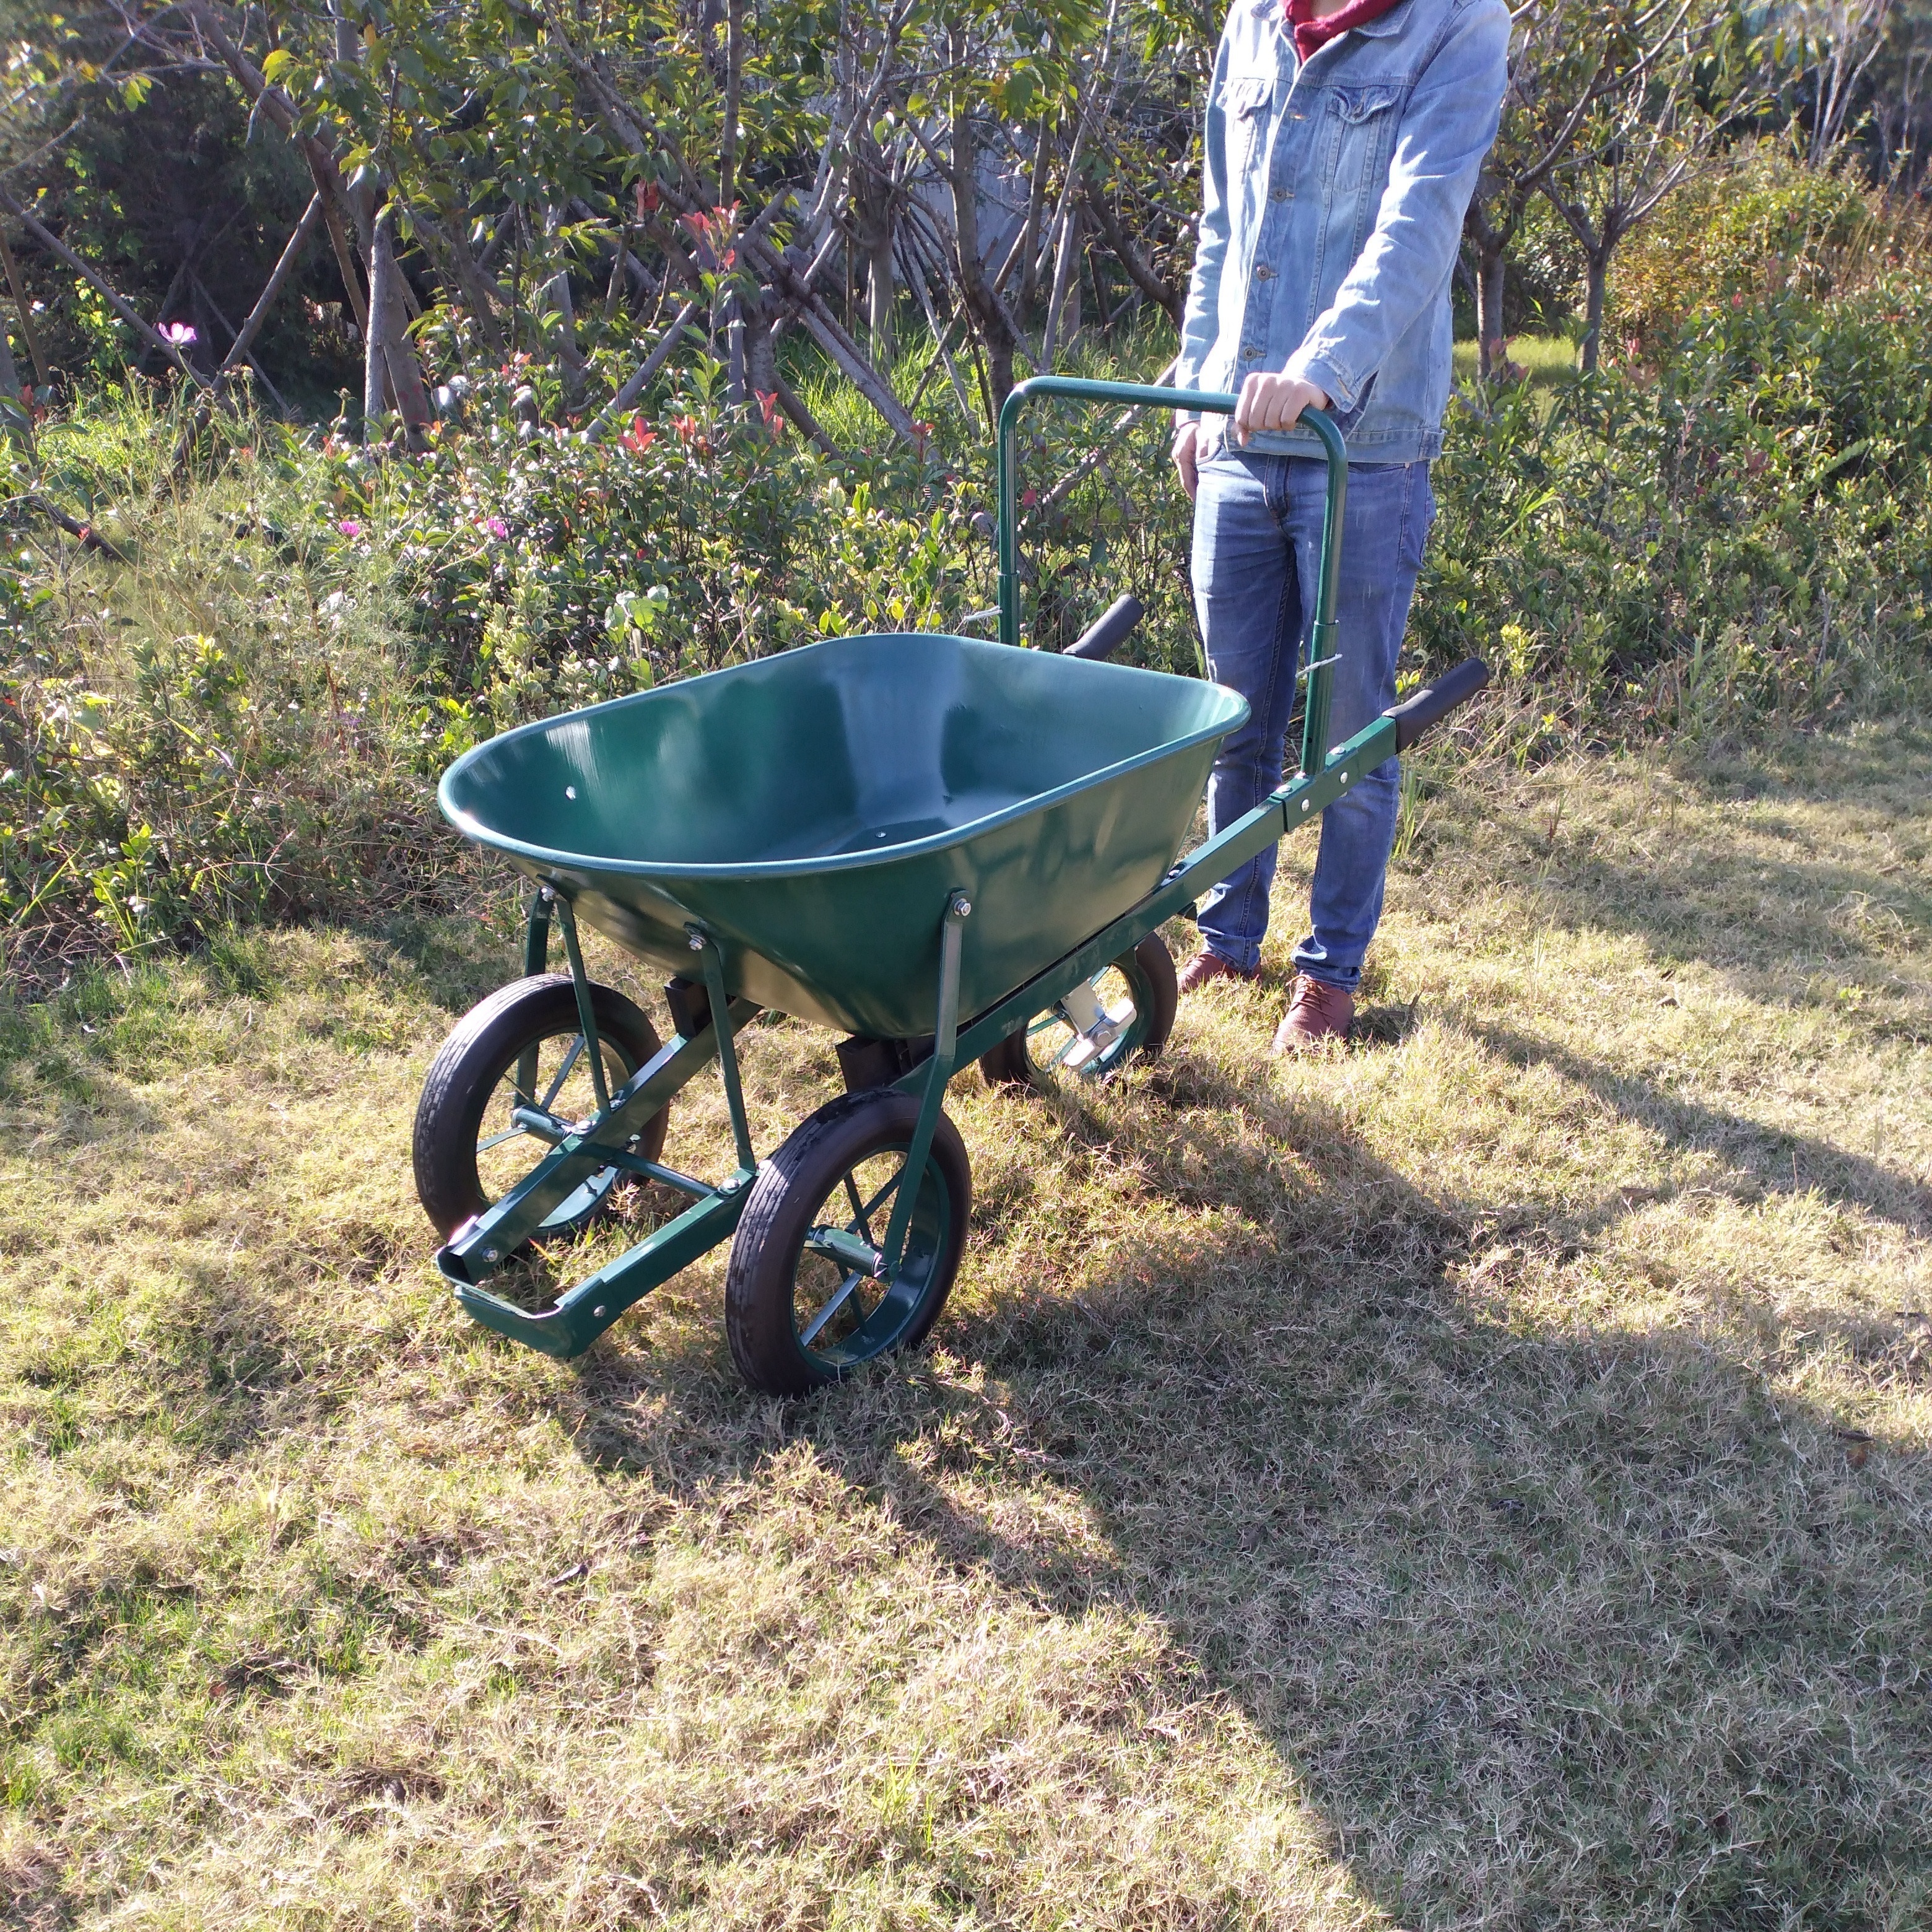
1087,1036
801,1308
522,1052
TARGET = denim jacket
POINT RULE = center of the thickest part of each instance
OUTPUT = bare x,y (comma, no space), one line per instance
1333,210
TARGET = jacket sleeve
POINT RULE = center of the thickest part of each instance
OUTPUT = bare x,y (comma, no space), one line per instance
1200,323
1447,127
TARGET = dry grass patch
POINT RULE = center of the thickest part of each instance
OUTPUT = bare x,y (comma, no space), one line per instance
1476,1477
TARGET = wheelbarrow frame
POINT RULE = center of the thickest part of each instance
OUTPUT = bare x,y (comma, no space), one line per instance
483,1246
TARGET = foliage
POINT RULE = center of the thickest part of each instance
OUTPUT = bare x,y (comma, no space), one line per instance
1762,226
1736,519
247,720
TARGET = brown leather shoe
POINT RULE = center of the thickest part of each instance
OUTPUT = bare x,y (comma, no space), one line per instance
1316,1011
1205,967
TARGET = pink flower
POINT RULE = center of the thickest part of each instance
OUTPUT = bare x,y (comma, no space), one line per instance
181,334
350,527
495,527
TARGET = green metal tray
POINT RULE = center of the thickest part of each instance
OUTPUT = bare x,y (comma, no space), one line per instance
810,811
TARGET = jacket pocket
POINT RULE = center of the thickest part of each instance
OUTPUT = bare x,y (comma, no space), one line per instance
1362,121
1354,105
1246,99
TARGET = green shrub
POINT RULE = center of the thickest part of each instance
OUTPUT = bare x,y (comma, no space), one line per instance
246,719
1751,521
1760,225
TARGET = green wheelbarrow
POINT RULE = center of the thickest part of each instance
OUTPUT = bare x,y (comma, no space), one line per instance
945,848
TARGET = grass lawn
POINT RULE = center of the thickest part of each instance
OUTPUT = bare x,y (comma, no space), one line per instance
1543,358
1478,1478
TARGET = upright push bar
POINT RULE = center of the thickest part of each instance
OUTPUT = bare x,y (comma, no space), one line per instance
1210,402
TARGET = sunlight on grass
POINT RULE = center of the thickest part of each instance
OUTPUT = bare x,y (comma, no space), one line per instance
1542,358
1477,1475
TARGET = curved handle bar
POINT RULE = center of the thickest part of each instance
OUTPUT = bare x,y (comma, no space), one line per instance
1211,402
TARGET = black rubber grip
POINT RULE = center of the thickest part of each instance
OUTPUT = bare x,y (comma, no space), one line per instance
1109,630
1435,701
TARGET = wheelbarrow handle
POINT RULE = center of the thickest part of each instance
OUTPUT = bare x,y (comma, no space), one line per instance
1209,402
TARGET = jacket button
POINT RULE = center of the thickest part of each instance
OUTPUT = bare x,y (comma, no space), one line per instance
1249,353
1281,194
1263,273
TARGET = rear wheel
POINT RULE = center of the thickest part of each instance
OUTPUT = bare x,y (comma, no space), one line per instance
524,1047
800,1308
1086,1037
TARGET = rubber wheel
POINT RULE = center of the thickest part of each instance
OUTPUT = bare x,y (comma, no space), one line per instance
796,1318
1139,995
468,1152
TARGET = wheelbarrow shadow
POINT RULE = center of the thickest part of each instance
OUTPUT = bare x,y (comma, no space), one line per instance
1489,1589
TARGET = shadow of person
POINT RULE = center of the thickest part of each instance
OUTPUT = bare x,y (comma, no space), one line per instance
1552,1624
1771,1158
1766,898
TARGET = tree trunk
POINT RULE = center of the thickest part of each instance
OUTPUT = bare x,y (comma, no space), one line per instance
1597,271
1493,343
375,364
389,369
569,357
983,306
1063,300
875,223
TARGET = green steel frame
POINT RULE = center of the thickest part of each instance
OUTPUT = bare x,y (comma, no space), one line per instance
483,1245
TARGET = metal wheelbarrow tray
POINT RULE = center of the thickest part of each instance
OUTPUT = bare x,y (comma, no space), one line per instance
950,849
812,811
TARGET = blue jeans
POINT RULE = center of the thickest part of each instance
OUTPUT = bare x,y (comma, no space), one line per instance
1257,548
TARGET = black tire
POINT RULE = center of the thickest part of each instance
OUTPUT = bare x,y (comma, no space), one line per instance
772,1269
1143,978
476,1073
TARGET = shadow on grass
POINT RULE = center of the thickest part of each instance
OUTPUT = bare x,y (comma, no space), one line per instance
1551,1627
1699,893
1778,1162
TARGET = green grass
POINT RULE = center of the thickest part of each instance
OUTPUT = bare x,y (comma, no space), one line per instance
1542,358
1428,1486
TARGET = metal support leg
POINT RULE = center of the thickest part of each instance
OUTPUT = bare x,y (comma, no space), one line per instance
703,944
536,934
536,959
586,1019
945,1045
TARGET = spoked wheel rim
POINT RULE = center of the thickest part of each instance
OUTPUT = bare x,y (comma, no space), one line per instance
1087,1036
842,1314
1058,1049
547,1077
551,1077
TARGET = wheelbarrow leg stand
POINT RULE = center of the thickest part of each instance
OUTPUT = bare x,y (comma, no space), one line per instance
940,1070
582,1312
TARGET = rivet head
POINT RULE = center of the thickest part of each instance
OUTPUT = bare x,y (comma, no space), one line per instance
1304,805
1345,778
570,791
491,1255
598,1312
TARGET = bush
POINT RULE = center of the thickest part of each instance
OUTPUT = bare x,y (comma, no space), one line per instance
1760,226
246,720
1751,520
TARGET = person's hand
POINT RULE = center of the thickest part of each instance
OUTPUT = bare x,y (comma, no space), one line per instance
1186,455
1274,402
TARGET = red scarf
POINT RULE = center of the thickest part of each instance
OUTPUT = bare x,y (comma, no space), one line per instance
1309,33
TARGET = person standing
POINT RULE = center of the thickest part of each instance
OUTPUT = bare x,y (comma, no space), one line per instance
1343,141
